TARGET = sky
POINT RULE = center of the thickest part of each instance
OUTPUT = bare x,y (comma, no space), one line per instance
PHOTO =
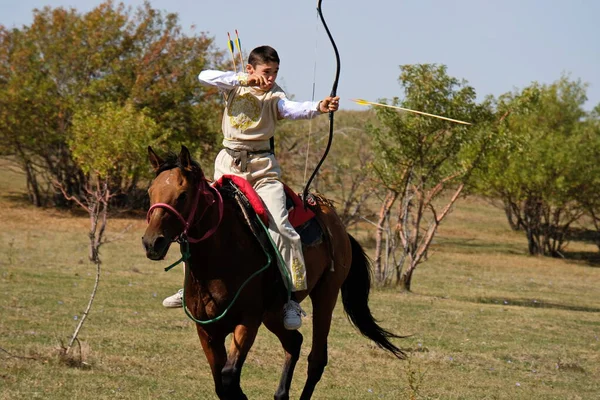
496,46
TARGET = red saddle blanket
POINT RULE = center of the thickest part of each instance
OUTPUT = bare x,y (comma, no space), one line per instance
298,215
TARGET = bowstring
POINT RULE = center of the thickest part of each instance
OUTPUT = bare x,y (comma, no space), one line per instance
314,84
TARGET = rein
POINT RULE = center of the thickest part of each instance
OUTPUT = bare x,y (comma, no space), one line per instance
237,293
184,240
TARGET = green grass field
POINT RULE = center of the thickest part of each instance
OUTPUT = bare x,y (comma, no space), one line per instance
486,320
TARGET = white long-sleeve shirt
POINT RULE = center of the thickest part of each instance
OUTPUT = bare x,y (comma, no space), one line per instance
251,113
288,109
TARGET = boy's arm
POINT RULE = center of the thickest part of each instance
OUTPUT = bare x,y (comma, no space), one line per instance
307,109
297,110
223,80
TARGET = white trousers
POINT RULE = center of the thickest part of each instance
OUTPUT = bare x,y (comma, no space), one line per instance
263,173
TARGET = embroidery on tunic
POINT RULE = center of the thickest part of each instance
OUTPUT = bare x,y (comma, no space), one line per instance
298,275
244,111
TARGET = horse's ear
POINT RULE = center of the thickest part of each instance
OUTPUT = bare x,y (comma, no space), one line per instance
185,159
155,160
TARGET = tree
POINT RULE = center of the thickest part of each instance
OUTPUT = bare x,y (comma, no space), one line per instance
588,193
65,60
107,145
345,177
537,167
424,163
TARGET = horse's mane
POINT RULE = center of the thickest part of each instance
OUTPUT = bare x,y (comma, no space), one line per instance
171,161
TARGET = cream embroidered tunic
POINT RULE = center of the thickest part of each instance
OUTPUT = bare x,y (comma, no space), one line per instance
250,113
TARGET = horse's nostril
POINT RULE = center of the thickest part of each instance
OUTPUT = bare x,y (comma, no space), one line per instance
156,246
160,243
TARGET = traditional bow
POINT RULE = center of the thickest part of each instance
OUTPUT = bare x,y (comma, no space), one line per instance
333,94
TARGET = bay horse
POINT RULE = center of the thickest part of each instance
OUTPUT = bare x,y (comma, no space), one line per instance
224,252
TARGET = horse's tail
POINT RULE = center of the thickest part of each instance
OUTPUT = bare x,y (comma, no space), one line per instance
355,297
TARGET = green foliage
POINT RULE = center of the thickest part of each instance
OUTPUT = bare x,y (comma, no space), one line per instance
112,141
541,164
67,61
589,170
433,148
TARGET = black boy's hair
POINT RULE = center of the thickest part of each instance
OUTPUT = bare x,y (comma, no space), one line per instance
263,55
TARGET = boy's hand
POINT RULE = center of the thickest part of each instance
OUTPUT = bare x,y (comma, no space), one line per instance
329,104
260,81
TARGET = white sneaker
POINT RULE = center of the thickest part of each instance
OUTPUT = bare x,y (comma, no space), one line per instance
174,301
292,315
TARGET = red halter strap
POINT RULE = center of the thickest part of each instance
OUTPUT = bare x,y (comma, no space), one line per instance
202,189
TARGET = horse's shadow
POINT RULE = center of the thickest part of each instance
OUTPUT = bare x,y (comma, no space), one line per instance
533,303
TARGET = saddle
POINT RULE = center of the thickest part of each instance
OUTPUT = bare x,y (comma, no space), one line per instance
302,219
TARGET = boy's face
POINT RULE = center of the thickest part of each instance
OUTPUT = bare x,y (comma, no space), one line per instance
268,70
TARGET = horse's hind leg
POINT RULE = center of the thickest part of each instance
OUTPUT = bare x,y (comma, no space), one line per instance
291,342
323,298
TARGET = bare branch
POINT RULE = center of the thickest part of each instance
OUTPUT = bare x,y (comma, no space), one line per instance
67,196
10,355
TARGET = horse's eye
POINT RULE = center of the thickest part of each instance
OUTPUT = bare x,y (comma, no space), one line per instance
182,197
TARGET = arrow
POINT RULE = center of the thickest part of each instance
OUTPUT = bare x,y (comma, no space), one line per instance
230,46
367,103
238,44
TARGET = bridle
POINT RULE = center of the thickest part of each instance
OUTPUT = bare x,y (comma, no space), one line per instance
203,189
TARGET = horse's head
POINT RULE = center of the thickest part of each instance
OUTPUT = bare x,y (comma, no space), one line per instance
180,195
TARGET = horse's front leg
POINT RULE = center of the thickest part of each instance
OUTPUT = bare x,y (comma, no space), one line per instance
241,342
214,350
292,343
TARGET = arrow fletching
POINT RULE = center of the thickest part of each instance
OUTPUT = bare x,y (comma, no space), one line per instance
361,102
238,44
230,43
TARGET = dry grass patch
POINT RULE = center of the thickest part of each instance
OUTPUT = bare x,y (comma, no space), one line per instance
486,321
